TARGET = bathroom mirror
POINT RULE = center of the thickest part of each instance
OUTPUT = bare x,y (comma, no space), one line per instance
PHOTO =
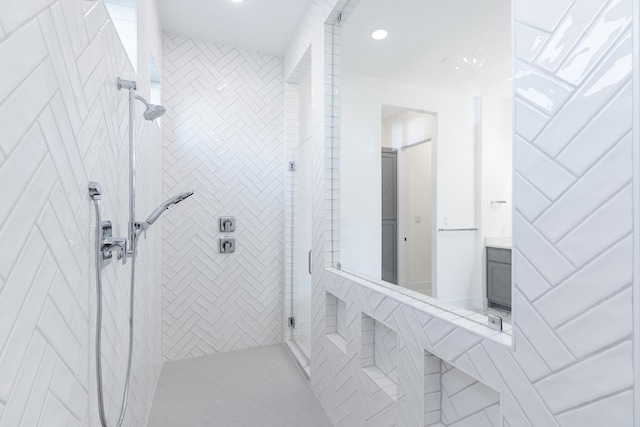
424,148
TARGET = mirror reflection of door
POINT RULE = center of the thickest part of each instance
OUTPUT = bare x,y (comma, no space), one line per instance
407,204
389,215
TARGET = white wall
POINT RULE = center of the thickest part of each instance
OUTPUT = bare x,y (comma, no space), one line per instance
305,112
574,254
362,98
496,161
406,127
64,123
224,139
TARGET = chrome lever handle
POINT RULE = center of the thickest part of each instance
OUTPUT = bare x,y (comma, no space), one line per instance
119,244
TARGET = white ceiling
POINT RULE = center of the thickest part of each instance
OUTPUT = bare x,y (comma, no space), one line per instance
265,26
423,33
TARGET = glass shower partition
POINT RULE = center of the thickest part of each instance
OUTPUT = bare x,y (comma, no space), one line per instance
300,168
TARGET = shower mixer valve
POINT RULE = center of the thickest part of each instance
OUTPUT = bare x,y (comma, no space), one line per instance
110,244
118,244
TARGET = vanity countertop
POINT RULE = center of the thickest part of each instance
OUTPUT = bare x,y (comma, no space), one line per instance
503,242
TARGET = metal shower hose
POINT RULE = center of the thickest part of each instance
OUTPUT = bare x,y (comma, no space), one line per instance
98,250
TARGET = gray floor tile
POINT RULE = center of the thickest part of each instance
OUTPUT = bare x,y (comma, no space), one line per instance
259,387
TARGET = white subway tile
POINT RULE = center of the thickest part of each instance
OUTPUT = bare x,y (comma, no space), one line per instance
590,380
550,348
589,193
34,294
27,375
598,40
20,109
585,288
552,265
19,169
58,60
606,226
611,75
587,333
17,61
15,12
615,411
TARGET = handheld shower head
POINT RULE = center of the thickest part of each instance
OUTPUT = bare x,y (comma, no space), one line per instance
153,111
166,205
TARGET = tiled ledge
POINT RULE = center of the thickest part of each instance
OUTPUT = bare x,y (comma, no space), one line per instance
383,381
338,341
459,317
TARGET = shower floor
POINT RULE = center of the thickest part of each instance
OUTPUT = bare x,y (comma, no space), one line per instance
260,387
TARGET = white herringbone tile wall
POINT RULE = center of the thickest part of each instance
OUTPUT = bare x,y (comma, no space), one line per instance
63,123
572,361
223,137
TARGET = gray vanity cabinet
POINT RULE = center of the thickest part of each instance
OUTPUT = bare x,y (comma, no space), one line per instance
499,277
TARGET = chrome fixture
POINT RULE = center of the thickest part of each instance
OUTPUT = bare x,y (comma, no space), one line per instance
115,244
153,111
498,202
126,84
227,245
227,224
109,244
457,229
143,225
131,86
494,322
105,243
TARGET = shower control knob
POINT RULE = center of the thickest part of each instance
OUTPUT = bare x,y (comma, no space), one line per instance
227,224
227,245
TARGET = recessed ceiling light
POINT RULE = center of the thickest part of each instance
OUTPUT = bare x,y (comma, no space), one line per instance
379,34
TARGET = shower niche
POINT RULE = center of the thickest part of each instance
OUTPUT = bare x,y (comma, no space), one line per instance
454,399
379,354
335,321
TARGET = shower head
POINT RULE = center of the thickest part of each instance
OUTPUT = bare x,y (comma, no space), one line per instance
153,111
163,207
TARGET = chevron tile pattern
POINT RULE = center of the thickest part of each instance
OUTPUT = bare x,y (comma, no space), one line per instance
573,245
223,137
65,123
466,401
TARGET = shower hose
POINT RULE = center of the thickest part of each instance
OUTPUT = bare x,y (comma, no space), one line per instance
98,250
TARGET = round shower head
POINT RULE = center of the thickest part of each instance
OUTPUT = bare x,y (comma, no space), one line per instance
153,112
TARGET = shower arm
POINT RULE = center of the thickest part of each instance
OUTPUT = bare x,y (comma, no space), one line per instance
144,101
